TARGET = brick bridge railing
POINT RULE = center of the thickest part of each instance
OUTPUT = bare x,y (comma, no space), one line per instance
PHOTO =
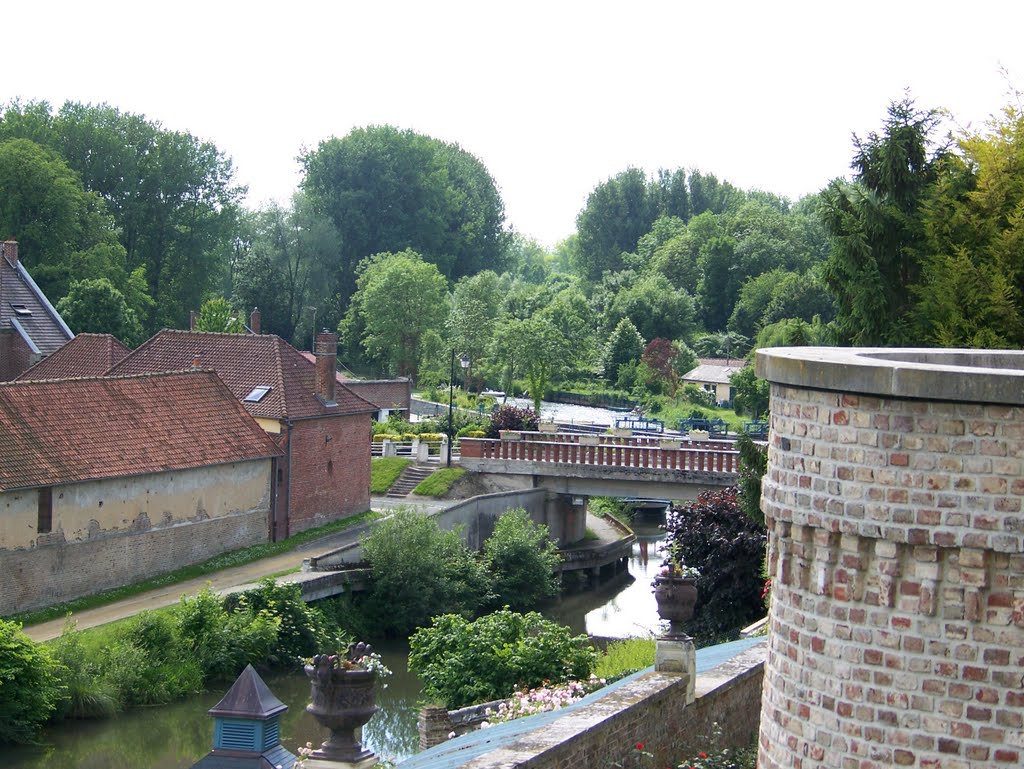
610,451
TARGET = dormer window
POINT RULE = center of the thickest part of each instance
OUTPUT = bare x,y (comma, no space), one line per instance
20,309
257,394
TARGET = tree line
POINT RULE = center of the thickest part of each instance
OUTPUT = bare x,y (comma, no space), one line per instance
399,241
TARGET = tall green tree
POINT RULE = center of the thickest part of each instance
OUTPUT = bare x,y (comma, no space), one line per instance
625,346
95,306
388,190
218,315
399,298
877,229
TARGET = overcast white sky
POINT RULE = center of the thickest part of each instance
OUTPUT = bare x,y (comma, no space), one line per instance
553,97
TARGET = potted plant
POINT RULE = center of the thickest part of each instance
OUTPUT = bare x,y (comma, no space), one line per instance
675,590
343,699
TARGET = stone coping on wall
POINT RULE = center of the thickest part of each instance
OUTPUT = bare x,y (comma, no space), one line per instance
528,741
977,376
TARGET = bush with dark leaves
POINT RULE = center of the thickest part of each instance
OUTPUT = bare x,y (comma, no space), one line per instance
509,417
717,537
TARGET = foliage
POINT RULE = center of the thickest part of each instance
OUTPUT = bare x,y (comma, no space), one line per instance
625,345
752,392
698,395
714,535
94,306
419,571
718,757
509,417
753,466
536,347
624,657
399,298
85,695
521,558
462,662
655,307
304,630
384,471
30,687
793,332
878,236
386,190
439,483
528,702
218,315
218,641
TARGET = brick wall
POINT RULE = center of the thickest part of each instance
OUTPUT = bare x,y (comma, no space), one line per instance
897,559
58,572
330,470
15,356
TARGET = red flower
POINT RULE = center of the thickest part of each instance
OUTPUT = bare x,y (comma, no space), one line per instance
639,746
703,755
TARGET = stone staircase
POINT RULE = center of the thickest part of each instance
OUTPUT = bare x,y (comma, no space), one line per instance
409,480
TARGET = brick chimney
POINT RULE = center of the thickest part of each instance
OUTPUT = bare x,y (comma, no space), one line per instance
326,350
254,320
9,248
192,320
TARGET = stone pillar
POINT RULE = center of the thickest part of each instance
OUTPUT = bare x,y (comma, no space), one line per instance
896,551
566,516
678,656
434,726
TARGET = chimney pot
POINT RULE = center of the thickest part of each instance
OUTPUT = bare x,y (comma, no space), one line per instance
254,320
325,348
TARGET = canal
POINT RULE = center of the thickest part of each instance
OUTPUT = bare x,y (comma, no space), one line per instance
177,735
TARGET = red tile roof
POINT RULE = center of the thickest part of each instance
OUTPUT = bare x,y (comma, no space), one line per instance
62,431
85,355
244,362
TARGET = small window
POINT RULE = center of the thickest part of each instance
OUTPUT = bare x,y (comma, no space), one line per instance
44,524
20,309
257,394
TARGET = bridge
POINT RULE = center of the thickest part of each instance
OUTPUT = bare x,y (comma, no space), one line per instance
607,465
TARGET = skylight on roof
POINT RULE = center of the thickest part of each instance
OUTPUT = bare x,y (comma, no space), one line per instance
20,309
257,394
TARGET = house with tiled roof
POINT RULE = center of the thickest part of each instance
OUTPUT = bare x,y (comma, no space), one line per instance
30,327
85,355
390,396
712,375
322,427
105,481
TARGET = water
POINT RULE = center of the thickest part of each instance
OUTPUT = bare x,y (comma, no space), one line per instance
566,412
176,736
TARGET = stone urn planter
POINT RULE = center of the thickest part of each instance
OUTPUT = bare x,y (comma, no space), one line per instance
676,597
590,440
343,699
547,427
510,435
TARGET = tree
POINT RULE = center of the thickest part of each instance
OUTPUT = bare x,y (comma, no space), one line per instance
388,190
660,357
752,392
172,196
30,689
521,558
618,213
218,315
655,307
96,307
536,348
419,572
625,346
399,298
877,229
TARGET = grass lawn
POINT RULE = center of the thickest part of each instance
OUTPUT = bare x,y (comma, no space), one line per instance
384,471
438,484
217,563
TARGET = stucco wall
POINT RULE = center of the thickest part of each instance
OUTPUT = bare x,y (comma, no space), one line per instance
145,526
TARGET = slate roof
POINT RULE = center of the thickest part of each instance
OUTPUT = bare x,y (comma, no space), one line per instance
716,371
244,362
249,697
85,355
61,431
39,324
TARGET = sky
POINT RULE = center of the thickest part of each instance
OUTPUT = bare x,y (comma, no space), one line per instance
553,97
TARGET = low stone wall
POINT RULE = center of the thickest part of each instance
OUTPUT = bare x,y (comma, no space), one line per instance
49,574
650,709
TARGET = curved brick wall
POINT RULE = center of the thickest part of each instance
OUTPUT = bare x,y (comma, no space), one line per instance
896,548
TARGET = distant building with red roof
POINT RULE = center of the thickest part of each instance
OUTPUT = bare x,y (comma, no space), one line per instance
85,355
107,480
322,427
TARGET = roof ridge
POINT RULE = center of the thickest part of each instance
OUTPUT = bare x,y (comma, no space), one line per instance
107,378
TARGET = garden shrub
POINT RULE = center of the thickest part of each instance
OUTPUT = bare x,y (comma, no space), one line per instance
30,689
714,535
471,431
419,571
304,630
462,662
509,417
698,395
521,558
625,657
